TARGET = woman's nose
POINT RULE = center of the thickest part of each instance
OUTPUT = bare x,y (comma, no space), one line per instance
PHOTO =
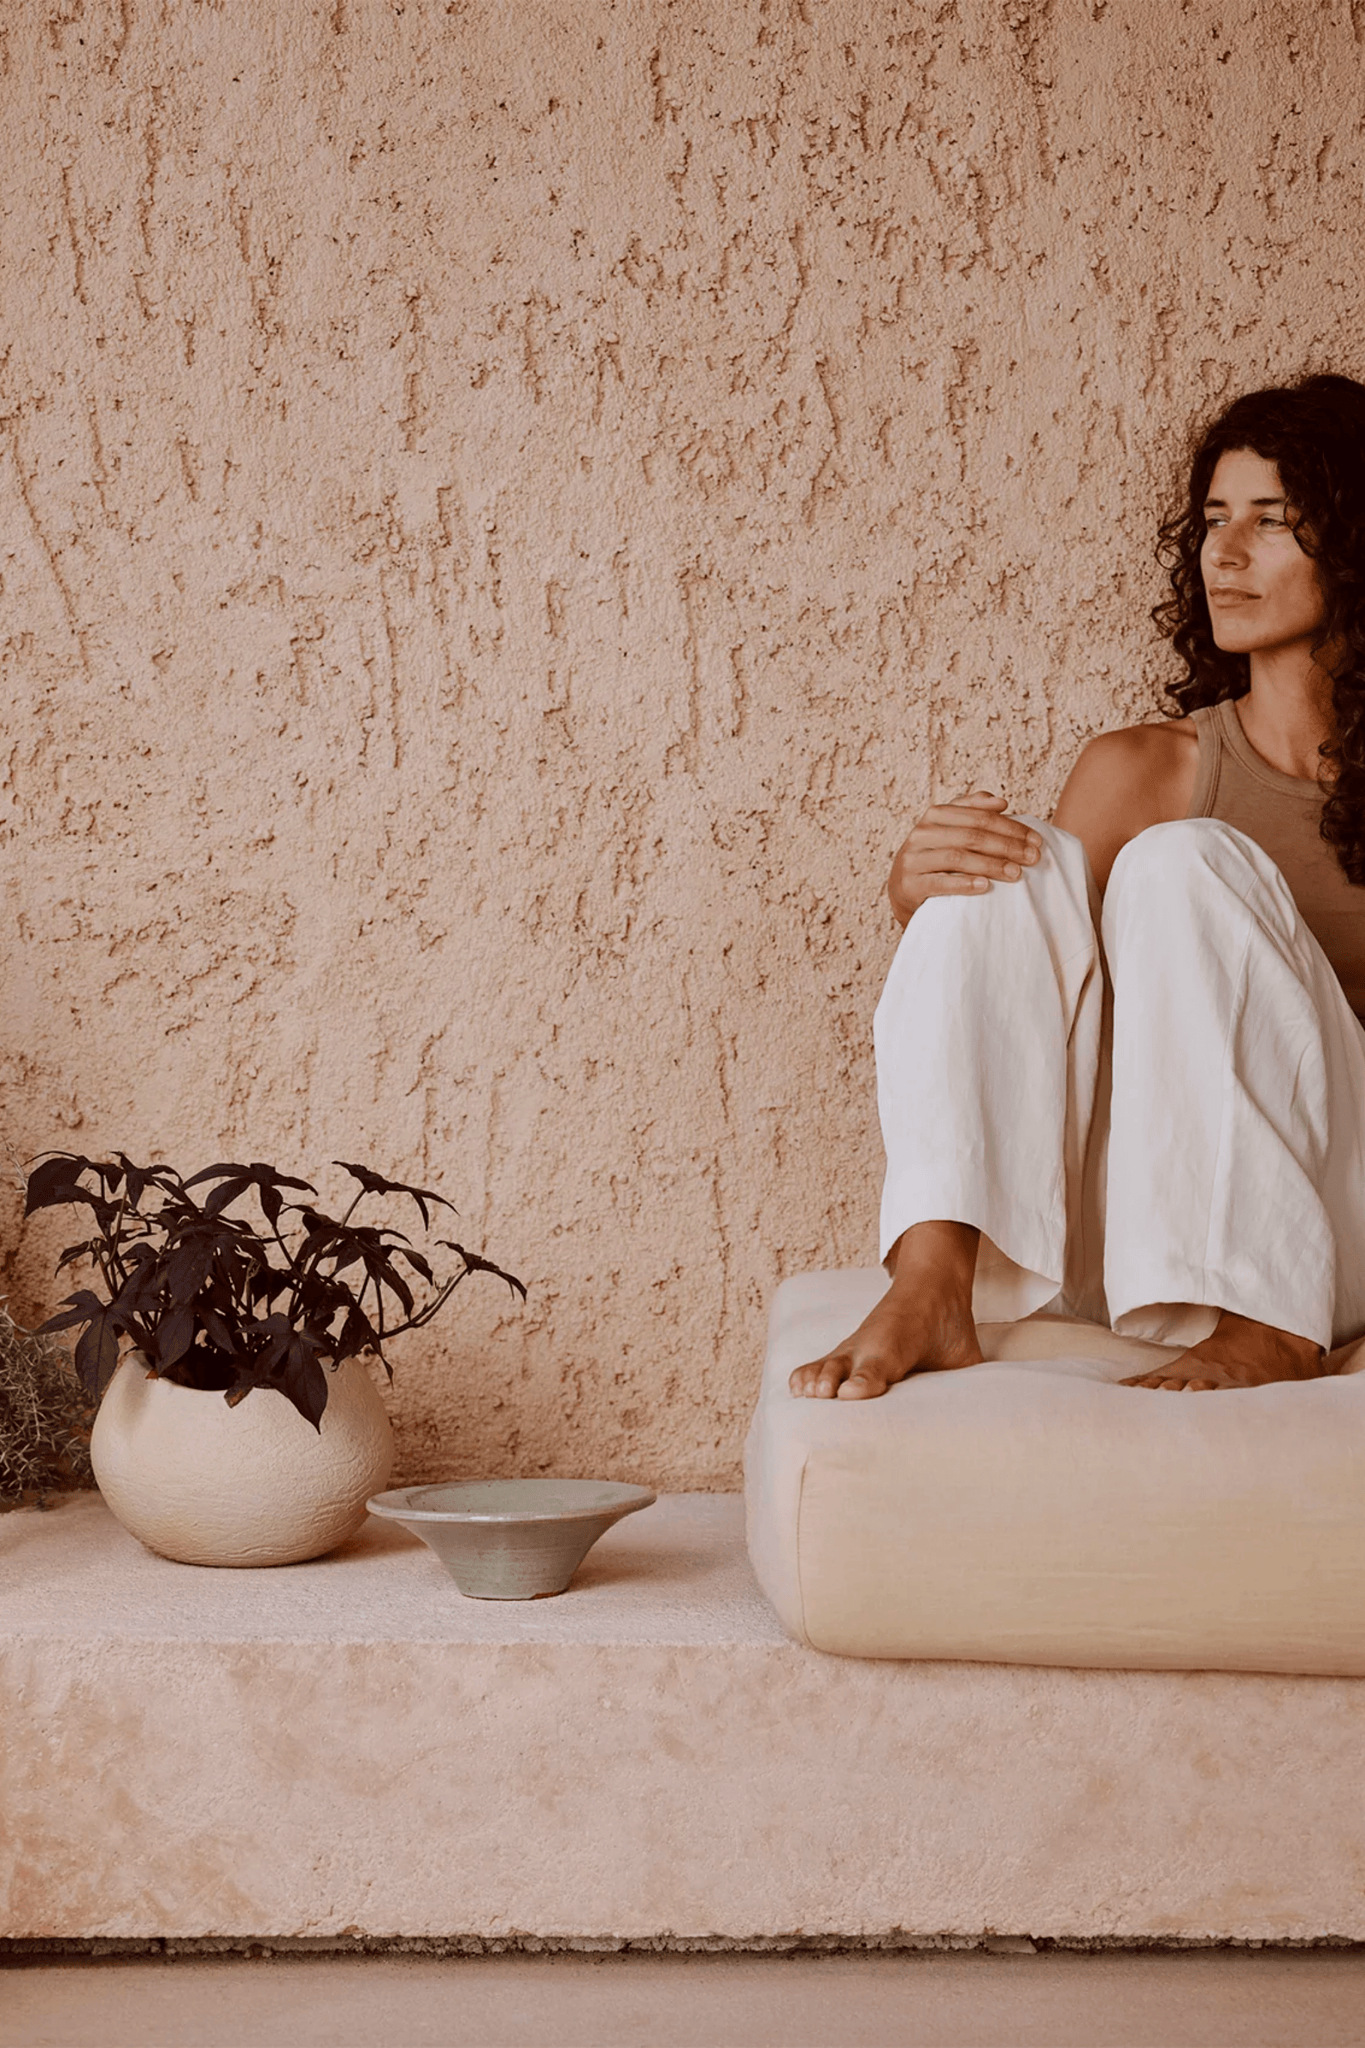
1226,546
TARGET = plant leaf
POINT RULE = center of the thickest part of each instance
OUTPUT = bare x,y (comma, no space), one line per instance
358,1335
74,1252
82,1306
175,1334
417,1262
139,1178
373,1183
305,1381
218,1328
96,1356
236,1180
57,1180
474,1264
189,1265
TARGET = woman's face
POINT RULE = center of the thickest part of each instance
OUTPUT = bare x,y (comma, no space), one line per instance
1262,588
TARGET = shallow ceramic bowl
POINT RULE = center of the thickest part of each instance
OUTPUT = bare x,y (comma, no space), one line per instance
511,1539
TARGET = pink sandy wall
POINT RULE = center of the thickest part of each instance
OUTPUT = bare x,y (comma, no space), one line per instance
509,510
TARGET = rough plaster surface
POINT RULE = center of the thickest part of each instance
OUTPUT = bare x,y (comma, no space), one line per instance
509,512
645,1757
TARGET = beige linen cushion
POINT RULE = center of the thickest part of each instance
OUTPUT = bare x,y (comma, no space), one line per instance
1032,1511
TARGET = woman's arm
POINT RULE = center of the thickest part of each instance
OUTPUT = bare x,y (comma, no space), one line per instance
1122,783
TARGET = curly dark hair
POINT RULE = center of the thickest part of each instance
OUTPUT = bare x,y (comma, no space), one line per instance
1314,433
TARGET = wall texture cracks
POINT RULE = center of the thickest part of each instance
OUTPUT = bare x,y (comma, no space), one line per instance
509,510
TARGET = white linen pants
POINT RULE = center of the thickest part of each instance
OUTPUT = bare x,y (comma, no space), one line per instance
1146,1147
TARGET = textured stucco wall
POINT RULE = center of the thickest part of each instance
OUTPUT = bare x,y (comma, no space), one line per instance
509,510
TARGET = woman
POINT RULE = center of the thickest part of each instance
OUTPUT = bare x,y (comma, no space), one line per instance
1176,1146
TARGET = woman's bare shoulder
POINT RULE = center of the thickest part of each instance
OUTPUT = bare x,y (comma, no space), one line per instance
1126,780
1173,739
1140,761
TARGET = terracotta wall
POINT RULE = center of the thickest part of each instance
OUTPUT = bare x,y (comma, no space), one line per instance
509,511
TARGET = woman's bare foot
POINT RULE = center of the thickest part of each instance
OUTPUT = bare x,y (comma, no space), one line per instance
923,1323
1240,1353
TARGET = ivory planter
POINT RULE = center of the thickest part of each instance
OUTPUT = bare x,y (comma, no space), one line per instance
203,1483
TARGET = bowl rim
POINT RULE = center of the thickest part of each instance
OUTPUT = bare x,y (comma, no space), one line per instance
392,1505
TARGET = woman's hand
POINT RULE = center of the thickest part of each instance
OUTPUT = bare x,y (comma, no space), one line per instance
959,849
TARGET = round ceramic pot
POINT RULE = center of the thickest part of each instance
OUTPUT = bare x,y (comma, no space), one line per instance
252,1485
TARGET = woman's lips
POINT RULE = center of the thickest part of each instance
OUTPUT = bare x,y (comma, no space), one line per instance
1232,597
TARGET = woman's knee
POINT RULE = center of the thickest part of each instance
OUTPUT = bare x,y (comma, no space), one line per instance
1182,869
1175,855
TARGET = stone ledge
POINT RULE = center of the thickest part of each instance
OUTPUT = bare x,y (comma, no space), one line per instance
350,1749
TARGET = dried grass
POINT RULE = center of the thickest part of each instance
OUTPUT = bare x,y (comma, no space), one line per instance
44,1418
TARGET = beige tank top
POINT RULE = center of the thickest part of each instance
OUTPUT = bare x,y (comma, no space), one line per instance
1282,813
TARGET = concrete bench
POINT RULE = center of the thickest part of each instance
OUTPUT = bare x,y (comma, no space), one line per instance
349,1747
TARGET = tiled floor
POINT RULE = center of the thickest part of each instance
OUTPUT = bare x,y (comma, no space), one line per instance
1197,1999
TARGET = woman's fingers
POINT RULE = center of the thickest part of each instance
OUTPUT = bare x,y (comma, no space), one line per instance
958,853
1171,1380
983,799
959,848
952,885
966,866
947,826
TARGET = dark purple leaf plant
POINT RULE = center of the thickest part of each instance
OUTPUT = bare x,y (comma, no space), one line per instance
225,1302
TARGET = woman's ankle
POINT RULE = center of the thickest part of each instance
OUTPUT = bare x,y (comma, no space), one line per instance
941,1251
